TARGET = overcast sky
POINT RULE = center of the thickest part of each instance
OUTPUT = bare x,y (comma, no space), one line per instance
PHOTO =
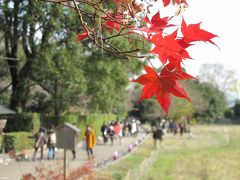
220,18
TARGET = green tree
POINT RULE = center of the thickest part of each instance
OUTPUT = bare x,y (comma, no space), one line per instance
29,28
216,102
107,80
181,108
58,70
145,110
236,109
35,36
207,104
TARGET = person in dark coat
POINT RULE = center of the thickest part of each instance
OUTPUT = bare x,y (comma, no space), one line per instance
181,127
40,141
104,130
76,140
130,128
157,136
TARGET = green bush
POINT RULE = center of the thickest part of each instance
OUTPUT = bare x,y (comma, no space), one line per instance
96,120
17,141
8,143
23,122
35,122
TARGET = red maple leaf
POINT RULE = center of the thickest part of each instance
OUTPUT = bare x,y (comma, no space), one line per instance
166,2
162,86
167,47
113,21
170,71
117,1
112,25
184,43
82,36
181,1
192,32
157,24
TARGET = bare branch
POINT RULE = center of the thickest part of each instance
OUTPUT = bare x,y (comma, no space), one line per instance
5,88
96,27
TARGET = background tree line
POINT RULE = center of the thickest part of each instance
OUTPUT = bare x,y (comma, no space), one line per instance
209,105
44,69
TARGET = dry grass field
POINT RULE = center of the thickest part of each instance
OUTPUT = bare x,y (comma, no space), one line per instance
210,153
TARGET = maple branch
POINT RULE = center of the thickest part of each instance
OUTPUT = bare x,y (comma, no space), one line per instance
84,24
94,37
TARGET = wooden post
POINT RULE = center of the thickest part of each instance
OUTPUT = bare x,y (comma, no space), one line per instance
65,164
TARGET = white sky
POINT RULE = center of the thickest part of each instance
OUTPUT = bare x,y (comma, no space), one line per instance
220,18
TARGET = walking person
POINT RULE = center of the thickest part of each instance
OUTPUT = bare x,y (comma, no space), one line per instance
157,136
118,131
121,132
129,128
39,143
175,127
51,144
104,130
171,128
164,126
90,141
76,140
111,133
134,127
181,128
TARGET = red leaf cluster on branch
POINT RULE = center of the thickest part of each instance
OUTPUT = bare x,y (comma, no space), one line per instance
170,48
171,51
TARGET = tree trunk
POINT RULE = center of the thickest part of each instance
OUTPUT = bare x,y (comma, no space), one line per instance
19,85
14,27
57,111
17,90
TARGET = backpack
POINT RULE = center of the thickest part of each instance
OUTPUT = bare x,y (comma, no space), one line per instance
52,139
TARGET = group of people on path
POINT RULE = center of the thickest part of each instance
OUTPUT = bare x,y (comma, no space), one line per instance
117,130
49,138
112,131
158,130
175,127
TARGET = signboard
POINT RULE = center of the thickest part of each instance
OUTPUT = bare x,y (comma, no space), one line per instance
67,136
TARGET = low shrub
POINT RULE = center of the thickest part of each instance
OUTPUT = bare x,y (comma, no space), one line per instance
23,122
17,141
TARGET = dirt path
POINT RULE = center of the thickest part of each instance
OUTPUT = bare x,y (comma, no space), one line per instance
103,153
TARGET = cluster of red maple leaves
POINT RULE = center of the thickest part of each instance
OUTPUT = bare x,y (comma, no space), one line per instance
171,50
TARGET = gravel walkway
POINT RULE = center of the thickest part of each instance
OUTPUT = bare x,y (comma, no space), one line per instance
103,154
